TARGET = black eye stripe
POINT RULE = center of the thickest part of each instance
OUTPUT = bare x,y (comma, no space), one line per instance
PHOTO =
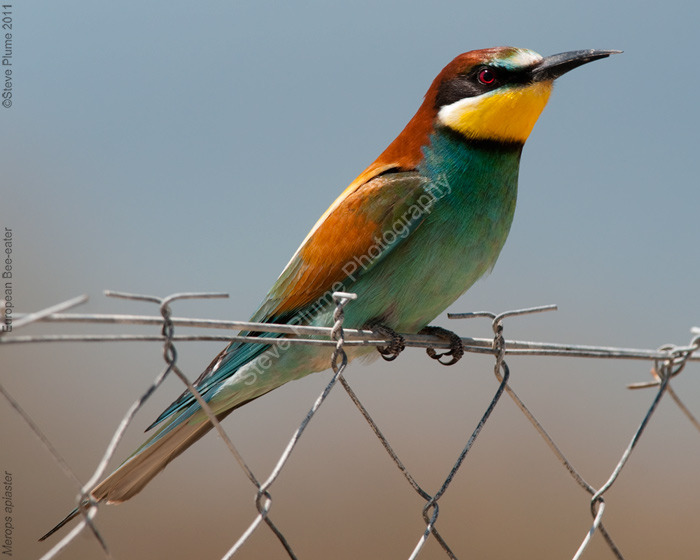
469,84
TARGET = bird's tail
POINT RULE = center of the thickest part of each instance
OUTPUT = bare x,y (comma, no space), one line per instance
181,424
147,461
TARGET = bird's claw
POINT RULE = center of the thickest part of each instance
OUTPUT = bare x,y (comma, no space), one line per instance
456,347
395,347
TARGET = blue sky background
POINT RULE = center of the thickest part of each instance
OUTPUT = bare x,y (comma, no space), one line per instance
158,147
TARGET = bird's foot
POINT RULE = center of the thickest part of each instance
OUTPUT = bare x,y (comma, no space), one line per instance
395,347
456,347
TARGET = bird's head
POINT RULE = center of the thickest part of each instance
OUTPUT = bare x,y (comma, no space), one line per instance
492,94
498,93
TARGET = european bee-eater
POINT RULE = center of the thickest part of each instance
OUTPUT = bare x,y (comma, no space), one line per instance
411,234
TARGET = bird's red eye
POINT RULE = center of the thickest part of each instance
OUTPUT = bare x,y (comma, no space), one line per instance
487,76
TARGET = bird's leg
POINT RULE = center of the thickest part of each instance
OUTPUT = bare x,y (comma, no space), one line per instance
395,347
456,347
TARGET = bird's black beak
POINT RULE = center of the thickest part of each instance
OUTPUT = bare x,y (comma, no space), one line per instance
551,67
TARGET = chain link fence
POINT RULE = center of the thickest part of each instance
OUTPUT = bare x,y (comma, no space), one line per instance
667,362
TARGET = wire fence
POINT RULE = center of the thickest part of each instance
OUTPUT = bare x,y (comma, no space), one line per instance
667,362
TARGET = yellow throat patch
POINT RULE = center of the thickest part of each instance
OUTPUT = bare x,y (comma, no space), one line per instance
504,114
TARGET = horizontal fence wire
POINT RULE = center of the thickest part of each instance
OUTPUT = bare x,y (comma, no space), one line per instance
667,362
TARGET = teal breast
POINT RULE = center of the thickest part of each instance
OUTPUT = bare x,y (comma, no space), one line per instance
473,186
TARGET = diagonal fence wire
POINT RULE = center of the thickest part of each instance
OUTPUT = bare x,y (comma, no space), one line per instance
500,351
664,371
341,299
668,360
497,325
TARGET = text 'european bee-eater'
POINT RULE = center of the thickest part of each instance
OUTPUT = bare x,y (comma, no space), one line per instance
411,234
